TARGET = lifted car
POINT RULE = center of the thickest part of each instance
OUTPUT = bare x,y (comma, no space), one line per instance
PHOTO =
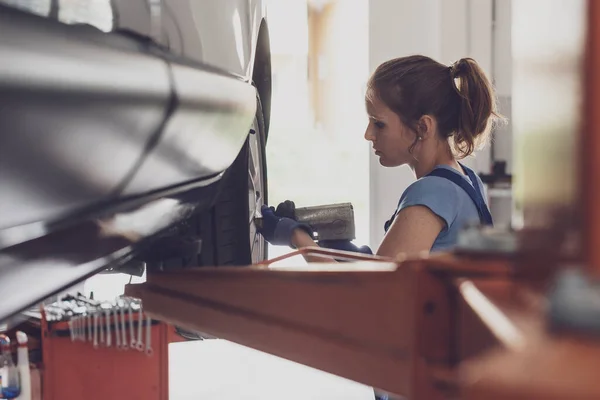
131,131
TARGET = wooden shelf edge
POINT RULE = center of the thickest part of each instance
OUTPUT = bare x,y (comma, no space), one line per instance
358,361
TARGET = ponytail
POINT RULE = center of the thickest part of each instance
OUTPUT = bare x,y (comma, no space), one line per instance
477,109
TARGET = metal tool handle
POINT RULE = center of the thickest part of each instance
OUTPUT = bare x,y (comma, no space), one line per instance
101,327
124,344
90,328
108,335
117,330
140,344
149,350
76,324
71,330
131,328
95,331
76,327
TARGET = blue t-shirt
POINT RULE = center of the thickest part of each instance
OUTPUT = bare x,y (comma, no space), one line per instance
445,199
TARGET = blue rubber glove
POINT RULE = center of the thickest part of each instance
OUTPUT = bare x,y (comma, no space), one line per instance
279,230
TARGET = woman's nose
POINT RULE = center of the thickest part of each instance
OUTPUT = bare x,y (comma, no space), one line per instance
369,135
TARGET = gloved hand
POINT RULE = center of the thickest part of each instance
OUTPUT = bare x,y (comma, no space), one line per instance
287,209
279,230
345,245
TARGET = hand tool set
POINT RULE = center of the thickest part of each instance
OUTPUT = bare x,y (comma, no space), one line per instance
120,324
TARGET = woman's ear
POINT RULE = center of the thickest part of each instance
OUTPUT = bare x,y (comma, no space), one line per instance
426,127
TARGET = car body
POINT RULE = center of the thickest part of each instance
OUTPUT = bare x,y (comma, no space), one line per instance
118,120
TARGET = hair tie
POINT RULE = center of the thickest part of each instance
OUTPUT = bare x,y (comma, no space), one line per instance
456,69
453,71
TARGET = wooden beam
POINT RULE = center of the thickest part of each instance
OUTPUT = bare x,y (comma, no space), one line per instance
362,321
381,323
357,325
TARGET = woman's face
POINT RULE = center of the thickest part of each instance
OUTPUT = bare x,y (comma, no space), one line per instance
390,137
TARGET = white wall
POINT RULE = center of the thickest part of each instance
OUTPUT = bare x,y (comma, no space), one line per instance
502,72
445,30
396,28
501,199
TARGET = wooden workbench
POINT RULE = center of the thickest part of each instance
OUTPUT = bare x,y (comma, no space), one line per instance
440,327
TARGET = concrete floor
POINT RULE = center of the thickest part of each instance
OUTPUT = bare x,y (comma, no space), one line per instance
218,369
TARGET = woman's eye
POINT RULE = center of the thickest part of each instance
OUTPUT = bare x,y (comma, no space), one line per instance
379,124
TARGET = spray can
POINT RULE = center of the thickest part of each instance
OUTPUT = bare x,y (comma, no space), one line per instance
23,366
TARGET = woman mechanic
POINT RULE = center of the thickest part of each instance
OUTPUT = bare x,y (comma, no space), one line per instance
428,116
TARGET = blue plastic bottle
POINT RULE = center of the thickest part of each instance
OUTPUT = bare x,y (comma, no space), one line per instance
9,374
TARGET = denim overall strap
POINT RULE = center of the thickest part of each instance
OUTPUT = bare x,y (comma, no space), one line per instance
474,191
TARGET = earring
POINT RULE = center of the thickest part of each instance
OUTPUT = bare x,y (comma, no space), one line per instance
420,138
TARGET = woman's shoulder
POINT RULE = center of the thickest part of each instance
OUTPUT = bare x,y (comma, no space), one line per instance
436,193
430,186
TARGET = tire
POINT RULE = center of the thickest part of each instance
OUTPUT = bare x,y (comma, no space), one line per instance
228,235
221,235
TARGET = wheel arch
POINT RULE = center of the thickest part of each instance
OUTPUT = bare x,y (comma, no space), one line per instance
261,72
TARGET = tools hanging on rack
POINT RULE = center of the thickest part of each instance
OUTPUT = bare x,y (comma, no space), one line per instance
120,324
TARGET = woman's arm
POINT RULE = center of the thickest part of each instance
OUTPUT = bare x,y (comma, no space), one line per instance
301,239
413,232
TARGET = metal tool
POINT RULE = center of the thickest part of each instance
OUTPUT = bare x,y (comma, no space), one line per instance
328,222
76,327
74,320
100,326
124,344
79,329
108,335
148,336
131,328
104,311
140,344
117,330
89,327
76,315
71,330
95,330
